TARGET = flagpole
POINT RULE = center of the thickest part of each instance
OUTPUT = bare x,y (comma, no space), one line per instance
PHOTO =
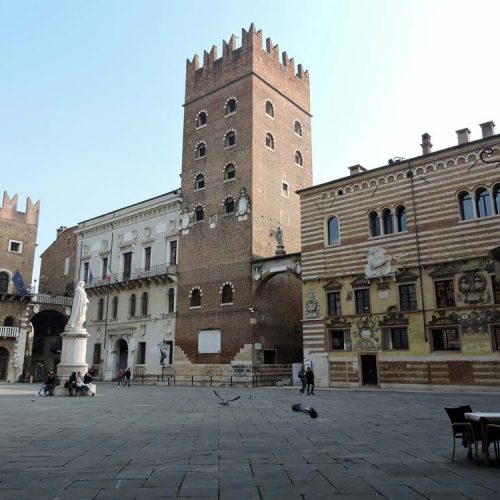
107,298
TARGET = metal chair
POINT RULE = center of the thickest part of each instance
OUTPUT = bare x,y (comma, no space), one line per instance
492,435
461,428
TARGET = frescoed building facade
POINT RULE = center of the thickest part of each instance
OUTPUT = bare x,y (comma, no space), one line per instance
401,270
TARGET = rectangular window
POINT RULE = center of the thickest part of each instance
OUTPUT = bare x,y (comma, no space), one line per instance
104,272
340,340
147,258
407,297
173,253
127,265
15,246
284,190
395,338
333,303
496,338
141,353
66,266
96,359
496,290
446,339
445,293
86,272
362,301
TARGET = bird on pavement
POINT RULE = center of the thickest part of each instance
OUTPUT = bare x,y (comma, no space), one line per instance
308,410
225,402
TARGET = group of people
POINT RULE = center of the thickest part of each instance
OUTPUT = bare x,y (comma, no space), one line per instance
78,384
306,376
123,377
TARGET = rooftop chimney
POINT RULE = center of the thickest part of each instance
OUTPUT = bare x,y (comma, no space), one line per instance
357,169
426,144
488,129
61,230
463,136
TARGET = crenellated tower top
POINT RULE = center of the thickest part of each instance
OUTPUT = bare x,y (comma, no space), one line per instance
249,58
8,210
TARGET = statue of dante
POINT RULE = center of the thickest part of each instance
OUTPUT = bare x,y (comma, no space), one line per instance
79,309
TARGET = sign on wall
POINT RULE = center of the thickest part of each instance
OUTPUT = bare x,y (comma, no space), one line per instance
209,341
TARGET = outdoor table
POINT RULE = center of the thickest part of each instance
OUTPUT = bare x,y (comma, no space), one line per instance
482,420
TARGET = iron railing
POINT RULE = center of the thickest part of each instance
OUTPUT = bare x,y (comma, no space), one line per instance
9,331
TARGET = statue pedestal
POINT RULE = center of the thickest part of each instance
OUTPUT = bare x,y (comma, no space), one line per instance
74,349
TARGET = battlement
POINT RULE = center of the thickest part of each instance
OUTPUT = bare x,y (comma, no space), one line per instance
236,62
8,210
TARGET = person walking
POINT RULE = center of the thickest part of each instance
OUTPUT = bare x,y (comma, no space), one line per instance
119,376
302,377
310,381
128,374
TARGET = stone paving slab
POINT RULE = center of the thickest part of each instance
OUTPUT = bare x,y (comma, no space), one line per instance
151,442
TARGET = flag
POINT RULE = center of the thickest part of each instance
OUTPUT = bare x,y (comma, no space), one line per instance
91,278
17,279
108,276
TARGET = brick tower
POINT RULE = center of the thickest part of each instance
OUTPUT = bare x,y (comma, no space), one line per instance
246,151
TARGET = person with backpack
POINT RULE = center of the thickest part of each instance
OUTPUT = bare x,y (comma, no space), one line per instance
310,381
128,374
119,376
302,377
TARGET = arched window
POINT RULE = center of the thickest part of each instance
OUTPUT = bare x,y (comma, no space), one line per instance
230,139
8,321
198,213
229,206
201,150
333,231
466,207
483,203
4,282
199,182
132,305
227,294
298,158
496,198
114,309
171,300
270,140
401,219
144,304
387,221
196,298
230,106
201,119
229,172
100,309
374,224
269,109
298,128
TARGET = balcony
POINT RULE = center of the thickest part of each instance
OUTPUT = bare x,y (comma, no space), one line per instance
9,332
59,300
161,274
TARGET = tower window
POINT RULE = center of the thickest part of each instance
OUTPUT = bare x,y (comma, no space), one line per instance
230,139
196,298
483,203
298,158
387,221
230,106
227,294
201,119
269,109
229,172
401,219
15,246
198,213
333,231
201,150
270,140
199,182
374,221
298,128
229,206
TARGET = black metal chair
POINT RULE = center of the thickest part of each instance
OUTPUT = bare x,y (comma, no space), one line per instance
461,428
492,435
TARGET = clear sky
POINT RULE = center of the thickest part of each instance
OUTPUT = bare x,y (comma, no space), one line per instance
91,92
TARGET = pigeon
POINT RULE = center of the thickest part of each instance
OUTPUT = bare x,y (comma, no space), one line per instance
308,410
224,401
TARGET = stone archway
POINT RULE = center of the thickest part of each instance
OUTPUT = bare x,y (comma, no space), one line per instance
48,325
121,348
4,363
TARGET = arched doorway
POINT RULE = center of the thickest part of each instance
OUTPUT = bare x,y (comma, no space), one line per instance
122,354
48,325
4,363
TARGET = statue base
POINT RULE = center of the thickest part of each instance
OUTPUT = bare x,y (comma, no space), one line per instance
74,350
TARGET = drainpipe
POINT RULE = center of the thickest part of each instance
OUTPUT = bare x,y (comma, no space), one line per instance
107,298
409,175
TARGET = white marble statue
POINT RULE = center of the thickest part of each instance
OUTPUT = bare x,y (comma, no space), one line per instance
378,263
79,309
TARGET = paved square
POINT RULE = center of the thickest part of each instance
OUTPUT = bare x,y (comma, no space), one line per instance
174,442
